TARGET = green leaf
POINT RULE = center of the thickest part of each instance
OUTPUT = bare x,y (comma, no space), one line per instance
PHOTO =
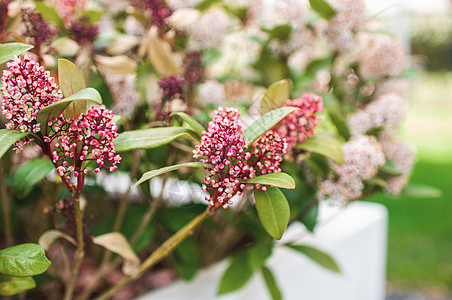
80,101
236,275
93,15
318,64
149,138
71,81
49,13
281,180
422,191
8,50
151,174
191,122
258,254
273,211
340,124
323,8
266,122
325,145
186,259
280,32
275,96
29,174
377,181
271,283
320,257
23,260
10,285
9,137
389,168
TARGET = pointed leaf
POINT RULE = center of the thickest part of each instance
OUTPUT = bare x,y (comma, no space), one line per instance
323,8
65,46
236,275
8,50
29,174
325,145
160,54
149,138
422,191
80,101
191,122
271,283
93,15
50,236
117,243
275,96
23,260
9,137
70,78
49,13
10,285
151,174
320,257
281,180
121,65
273,211
266,122
340,124
258,254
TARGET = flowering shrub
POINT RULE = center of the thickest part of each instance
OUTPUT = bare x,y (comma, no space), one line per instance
290,91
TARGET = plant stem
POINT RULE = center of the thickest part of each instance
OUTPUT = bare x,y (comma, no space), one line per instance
6,207
161,252
80,253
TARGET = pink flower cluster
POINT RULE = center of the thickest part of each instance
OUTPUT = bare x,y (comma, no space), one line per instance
27,88
300,124
224,147
89,137
269,151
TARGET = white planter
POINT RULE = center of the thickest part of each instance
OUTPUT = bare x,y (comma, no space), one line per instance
355,236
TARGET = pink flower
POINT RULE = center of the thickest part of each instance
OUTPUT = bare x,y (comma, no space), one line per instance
269,151
224,147
300,124
87,138
26,88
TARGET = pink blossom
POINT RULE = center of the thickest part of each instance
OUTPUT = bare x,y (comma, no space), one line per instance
224,147
300,124
87,138
26,88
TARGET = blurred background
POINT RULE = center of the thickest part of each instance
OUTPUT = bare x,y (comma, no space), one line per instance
420,230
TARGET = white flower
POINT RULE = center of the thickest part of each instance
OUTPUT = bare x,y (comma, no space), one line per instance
380,55
364,153
211,91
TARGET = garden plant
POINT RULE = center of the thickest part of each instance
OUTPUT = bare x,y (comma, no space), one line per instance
114,109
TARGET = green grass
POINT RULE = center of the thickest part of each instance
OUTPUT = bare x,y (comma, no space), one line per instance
420,230
420,233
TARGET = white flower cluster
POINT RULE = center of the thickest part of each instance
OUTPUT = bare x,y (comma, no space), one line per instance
349,18
344,187
210,29
211,91
380,55
387,110
402,154
124,93
362,157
